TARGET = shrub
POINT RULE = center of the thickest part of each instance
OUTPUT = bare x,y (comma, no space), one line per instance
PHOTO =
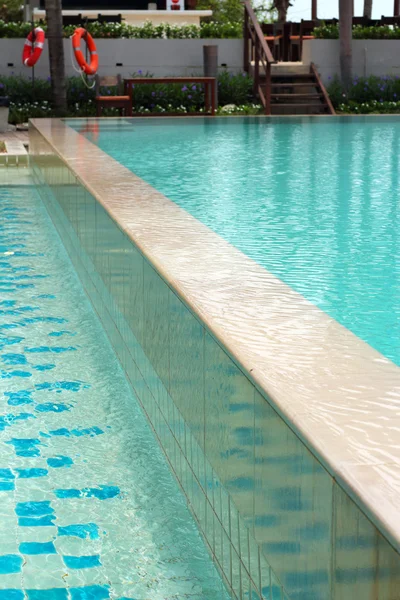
371,92
211,29
372,107
234,88
379,32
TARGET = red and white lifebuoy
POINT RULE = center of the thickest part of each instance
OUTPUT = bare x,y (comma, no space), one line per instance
89,69
33,47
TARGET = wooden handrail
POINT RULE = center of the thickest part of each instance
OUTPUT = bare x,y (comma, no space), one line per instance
314,71
258,31
256,49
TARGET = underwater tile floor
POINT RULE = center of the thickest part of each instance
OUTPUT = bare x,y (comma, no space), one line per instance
88,507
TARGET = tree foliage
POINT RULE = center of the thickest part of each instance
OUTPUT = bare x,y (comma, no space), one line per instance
11,11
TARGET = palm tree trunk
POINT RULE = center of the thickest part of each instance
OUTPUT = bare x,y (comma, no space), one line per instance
56,55
346,34
368,9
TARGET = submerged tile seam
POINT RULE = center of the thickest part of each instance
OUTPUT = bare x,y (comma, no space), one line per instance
299,421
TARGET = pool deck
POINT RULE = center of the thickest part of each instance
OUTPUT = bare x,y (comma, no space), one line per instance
338,394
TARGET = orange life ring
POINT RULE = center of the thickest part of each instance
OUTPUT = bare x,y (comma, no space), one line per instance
36,40
80,33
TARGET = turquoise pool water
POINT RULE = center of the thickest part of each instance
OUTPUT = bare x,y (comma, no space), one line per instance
88,507
314,201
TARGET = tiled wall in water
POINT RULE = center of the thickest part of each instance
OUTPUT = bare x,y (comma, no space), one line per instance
276,522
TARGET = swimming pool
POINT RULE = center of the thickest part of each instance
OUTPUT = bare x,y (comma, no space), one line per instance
272,415
315,202
89,509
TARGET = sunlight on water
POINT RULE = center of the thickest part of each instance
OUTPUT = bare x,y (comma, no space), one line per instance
316,202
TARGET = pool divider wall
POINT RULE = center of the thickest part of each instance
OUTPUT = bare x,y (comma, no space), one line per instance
276,522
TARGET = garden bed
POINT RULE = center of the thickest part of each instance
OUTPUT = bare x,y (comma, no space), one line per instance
32,100
379,95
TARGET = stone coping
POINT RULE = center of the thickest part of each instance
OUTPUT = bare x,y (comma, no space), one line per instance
339,395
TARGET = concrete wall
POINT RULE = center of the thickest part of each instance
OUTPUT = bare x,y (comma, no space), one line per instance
370,57
160,57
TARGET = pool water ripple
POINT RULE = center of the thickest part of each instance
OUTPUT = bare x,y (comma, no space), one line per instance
88,507
314,201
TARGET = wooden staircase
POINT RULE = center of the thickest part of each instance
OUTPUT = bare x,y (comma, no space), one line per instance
283,88
297,89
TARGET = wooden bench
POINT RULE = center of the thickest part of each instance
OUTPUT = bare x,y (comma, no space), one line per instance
209,90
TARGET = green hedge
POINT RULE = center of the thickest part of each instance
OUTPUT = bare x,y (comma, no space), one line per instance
29,101
331,32
146,31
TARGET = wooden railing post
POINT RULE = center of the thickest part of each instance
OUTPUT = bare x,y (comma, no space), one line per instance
256,49
246,41
268,90
256,66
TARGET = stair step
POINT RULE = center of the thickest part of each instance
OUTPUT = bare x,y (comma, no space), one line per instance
288,68
289,84
299,105
310,96
292,76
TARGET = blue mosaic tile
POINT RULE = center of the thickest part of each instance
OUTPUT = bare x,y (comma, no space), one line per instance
63,431
50,594
72,493
82,562
7,486
31,473
60,461
16,373
12,595
46,521
37,548
91,431
86,531
14,359
51,407
34,509
90,592
10,563
26,446
60,333
20,417
103,492
6,474
32,320
47,296
54,349
10,341
18,398
71,386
